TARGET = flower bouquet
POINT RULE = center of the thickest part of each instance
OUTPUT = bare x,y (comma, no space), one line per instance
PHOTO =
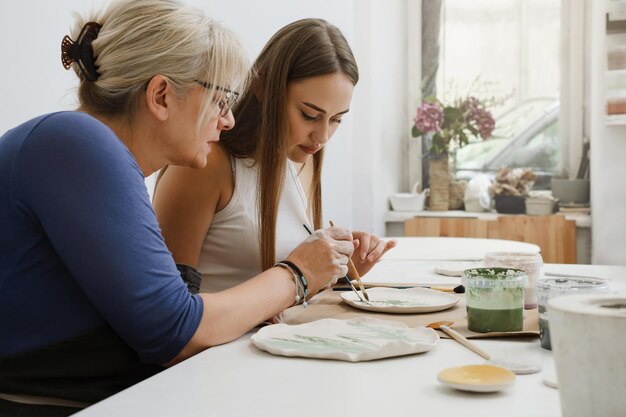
452,124
450,127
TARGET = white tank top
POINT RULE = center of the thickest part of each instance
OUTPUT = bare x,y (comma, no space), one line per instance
230,251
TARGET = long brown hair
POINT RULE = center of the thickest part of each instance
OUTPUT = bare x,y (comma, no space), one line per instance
303,49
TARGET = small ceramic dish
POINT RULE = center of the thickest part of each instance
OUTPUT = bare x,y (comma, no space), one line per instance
407,300
549,380
353,340
520,365
477,378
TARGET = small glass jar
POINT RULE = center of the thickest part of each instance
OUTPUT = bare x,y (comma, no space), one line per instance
495,299
556,286
529,262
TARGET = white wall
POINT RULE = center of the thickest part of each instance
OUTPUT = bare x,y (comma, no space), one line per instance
608,153
32,79
364,159
380,111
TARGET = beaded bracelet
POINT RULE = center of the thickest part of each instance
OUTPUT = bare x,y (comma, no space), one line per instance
296,280
302,281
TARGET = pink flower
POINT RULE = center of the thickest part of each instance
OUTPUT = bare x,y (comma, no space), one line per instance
484,123
478,117
452,125
429,117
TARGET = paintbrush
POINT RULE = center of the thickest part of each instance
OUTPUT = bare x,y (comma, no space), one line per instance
459,289
354,273
345,278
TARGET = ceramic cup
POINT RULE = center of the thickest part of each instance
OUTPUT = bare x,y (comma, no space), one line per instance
495,299
588,339
556,286
529,262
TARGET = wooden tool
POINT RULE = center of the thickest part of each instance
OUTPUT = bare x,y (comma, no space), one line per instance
444,327
353,274
345,278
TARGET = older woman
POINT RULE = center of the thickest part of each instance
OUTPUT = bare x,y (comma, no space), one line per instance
91,300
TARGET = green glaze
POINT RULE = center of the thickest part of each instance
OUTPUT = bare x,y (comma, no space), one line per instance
392,303
485,321
361,338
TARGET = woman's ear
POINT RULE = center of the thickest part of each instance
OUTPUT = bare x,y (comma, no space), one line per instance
157,97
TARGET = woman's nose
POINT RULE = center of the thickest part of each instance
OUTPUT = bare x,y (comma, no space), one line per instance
320,134
226,122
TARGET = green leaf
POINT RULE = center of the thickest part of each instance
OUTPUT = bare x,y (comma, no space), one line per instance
452,114
415,132
463,140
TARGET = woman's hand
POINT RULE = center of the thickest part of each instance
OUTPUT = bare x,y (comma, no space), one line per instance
228,314
323,257
368,250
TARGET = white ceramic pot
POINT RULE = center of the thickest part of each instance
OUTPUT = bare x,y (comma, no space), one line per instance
413,201
588,334
571,191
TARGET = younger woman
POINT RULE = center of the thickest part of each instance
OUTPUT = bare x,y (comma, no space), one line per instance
261,187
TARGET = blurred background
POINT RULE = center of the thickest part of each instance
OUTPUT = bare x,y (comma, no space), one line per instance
540,65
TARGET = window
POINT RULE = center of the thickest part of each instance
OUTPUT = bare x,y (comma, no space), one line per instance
525,137
506,51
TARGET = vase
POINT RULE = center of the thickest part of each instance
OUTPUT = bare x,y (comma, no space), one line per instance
457,194
439,174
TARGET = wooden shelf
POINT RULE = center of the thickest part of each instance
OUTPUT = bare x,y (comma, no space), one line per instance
615,17
554,234
616,59
616,10
616,120
582,220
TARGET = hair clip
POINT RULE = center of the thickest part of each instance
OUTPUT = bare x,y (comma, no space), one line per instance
81,52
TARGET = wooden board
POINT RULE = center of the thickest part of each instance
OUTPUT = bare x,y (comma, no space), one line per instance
555,235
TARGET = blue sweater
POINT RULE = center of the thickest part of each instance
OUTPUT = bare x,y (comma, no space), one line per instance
80,246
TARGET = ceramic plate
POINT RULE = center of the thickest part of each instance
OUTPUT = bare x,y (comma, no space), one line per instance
355,340
409,300
549,380
477,378
455,269
519,365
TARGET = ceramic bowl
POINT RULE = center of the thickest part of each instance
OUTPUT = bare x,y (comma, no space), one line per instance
477,378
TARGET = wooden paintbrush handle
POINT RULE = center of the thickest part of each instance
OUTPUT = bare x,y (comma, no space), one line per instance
462,340
353,273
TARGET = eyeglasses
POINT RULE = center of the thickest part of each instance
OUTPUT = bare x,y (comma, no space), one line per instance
226,102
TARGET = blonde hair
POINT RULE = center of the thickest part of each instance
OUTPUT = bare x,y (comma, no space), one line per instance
143,38
302,49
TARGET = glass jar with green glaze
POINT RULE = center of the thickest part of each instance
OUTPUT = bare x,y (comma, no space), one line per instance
495,299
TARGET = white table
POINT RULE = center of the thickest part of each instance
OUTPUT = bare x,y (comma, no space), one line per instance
238,380
453,248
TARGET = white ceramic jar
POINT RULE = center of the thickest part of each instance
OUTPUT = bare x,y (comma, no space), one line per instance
588,333
529,262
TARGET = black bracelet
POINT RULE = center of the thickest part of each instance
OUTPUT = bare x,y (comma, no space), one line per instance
191,276
296,281
305,286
